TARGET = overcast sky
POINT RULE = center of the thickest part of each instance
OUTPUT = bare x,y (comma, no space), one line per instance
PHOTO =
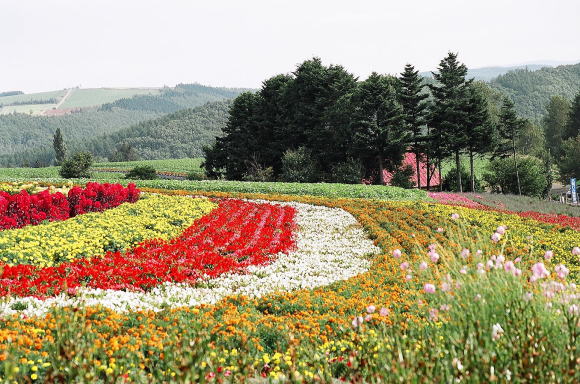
54,44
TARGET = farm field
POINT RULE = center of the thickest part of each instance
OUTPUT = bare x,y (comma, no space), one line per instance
89,97
281,287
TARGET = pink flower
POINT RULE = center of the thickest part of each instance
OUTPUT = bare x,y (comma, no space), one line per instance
384,312
404,266
429,288
496,237
432,247
445,287
445,307
518,272
368,317
517,259
576,251
479,252
561,271
440,230
423,266
433,312
371,309
480,268
357,322
548,255
574,309
455,216
510,267
528,296
434,256
463,270
397,253
539,271
500,230
465,253
409,277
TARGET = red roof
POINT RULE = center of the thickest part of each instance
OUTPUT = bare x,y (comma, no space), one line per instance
410,160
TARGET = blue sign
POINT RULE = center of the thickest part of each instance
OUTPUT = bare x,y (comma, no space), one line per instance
573,190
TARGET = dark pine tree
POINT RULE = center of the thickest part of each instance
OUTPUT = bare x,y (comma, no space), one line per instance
509,129
480,132
412,100
377,123
449,117
59,146
573,126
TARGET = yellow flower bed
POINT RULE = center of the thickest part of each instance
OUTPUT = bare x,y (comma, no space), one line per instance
153,216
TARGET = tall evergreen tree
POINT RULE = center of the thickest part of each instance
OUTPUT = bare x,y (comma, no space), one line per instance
412,100
509,129
480,129
59,146
449,116
555,122
573,127
377,123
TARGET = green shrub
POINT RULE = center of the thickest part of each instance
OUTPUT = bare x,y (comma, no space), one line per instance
402,177
450,181
257,172
196,176
569,165
347,172
501,176
143,172
298,166
77,166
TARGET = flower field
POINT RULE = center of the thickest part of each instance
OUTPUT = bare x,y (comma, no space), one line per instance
279,288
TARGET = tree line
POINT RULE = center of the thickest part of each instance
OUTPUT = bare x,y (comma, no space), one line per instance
335,119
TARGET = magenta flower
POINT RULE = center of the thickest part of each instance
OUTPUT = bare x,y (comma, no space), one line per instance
561,271
455,216
539,271
576,251
404,266
357,322
434,256
397,253
548,255
496,237
409,277
440,230
371,309
432,247
429,288
501,229
384,312
510,267
423,266
433,312
465,253
463,270
368,317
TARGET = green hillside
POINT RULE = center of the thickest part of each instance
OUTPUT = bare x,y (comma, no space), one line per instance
531,90
177,135
82,98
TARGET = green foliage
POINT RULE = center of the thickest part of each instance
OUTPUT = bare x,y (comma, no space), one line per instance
501,176
77,166
257,172
59,146
531,90
569,164
298,166
144,172
402,177
124,152
555,124
531,140
347,172
573,126
449,182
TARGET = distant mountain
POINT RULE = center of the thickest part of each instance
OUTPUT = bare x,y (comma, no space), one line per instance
489,73
531,90
27,140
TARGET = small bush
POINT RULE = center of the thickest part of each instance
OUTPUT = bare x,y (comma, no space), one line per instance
299,166
402,177
449,182
196,176
501,176
143,172
77,166
347,172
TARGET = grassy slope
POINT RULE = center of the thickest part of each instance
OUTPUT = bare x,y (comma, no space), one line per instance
167,165
479,165
81,98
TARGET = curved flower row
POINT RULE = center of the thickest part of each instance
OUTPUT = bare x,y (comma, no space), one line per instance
232,237
23,208
330,246
91,234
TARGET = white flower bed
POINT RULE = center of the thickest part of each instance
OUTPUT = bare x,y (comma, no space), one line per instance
330,246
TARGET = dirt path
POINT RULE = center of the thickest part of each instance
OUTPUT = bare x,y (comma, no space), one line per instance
68,93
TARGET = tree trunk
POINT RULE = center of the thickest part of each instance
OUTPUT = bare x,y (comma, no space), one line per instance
381,168
429,174
458,169
516,164
440,177
471,170
418,169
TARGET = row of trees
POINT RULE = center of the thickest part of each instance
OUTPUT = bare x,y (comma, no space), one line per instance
338,118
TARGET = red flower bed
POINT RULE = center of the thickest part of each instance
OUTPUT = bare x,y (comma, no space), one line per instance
233,236
22,209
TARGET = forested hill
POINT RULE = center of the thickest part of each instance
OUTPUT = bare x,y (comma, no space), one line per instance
177,135
531,90
27,140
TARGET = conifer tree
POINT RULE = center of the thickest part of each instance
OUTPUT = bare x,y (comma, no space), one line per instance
414,108
450,110
59,146
573,126
509,129
480,129
555,123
